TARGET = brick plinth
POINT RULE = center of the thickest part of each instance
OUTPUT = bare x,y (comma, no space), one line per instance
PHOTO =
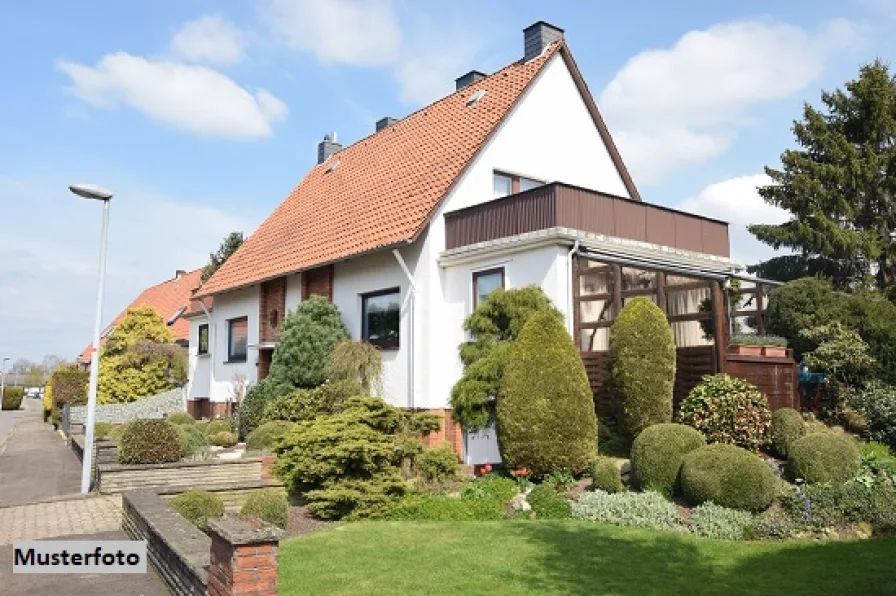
266,462
243,557
449,431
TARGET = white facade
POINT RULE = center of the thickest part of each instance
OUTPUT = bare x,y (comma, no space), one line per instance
550,116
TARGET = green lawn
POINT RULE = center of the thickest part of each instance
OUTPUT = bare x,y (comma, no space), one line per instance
498,558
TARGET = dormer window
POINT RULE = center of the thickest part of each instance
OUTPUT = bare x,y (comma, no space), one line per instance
510,184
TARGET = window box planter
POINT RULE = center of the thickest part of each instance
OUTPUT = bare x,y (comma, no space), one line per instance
758,345
775,351
745,350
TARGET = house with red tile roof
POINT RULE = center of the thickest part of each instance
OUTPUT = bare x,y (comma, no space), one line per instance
170,299
512,180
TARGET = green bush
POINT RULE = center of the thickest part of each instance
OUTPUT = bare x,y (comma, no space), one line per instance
876,403
637,510
347,464
218,425
307,337
605,476
115,434
642,365
561,481
727,410
181,418
101,430
841,353
267,435
491,487
613,441
69,386
438,463
430,507
494,326
548,504
802,304
545,414
12,398
714,521
251,409
149,442
657,454
728,476
222,439
823,458
198,506
787,426
191,438
357,363
308,404
822,506
270,505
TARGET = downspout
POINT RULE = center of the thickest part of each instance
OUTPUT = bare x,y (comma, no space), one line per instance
212,332
409,306
571,304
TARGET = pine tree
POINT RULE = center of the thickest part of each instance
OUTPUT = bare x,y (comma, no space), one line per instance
228,246
840,186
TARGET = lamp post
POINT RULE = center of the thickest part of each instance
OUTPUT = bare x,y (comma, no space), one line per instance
3,377
90,191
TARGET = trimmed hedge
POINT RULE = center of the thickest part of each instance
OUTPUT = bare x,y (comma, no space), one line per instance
266,435
218,425
222,439
728,476
728,410
438,463
642,365
605,476
787,426
657,454
548,504
824,457
101,429
269,505
198,506
181,418
69,386
545,413
12,398
149,442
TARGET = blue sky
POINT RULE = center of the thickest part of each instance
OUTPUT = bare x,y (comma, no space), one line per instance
203,114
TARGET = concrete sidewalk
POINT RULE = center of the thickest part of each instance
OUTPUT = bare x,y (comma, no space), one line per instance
35,462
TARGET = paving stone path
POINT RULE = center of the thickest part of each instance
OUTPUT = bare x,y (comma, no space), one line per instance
60,518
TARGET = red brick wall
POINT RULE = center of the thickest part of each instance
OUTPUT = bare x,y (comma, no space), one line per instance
264,363
271,309
242,569
318,281
450,431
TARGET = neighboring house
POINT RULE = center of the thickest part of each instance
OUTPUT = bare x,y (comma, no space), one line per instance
510,181
170,299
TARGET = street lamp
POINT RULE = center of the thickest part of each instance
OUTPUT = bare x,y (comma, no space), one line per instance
3,377
90,191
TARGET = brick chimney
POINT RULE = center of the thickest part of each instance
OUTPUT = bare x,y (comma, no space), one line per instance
327,147
538,36
179,273
468,79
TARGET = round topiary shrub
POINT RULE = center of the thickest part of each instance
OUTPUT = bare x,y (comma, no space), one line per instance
270,505
222,439
198,506
267,434
605,476
218,425
545,412
149,442
548,504
728,476
438,463
657,453
642,365
12,398
824,457
192,439
728,410
181,418
101,430
787,426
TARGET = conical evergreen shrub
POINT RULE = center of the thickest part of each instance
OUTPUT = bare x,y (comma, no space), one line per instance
545,413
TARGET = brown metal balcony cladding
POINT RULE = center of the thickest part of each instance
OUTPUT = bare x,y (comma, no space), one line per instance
563,205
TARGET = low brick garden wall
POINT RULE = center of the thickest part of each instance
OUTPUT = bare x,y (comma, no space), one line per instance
116,478
240,557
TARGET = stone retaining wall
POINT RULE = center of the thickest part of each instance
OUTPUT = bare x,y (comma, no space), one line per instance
178,551
157,406
234,494
116,478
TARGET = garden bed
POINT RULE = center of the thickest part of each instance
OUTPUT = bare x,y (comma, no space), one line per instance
115,478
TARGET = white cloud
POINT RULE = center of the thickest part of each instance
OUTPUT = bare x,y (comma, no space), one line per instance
701,89
192,98
210,38
355,32
737,201
48,287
